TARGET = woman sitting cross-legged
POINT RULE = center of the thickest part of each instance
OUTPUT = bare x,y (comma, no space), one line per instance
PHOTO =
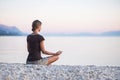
35,45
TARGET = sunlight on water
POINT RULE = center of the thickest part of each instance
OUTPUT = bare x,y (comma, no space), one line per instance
76,50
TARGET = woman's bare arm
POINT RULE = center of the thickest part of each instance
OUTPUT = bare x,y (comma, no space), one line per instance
47,52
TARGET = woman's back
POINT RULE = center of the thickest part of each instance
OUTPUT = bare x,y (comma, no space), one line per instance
34,49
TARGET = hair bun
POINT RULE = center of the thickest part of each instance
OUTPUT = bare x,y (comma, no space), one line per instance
33,29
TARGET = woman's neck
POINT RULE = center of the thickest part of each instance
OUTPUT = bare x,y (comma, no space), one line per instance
35,32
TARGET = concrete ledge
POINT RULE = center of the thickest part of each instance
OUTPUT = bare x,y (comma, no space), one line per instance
58,72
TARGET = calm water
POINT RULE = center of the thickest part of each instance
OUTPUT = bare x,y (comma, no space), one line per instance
76,50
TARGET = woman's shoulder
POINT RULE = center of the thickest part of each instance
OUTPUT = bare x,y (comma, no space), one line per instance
40,35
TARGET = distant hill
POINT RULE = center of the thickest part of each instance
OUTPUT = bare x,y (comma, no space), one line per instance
10,31
111,33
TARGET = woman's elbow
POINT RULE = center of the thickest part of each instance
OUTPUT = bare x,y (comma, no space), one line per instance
43,51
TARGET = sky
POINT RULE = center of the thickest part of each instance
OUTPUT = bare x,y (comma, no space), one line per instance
62,16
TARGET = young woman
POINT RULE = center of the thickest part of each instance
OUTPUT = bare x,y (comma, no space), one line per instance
35,45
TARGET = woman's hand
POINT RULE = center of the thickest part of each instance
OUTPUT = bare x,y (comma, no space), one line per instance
58,53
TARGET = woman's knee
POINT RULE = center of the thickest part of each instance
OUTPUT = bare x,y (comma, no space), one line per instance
56,57
53,59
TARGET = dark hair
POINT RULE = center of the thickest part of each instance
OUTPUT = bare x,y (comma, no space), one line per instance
35,24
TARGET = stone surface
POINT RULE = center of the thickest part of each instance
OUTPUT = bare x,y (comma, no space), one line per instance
58,72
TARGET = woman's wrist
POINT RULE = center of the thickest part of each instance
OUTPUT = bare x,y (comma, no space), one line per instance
53,53
58,53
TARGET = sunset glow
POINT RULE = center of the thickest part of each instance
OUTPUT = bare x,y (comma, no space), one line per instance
62,15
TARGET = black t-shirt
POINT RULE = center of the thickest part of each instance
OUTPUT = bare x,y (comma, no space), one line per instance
34,49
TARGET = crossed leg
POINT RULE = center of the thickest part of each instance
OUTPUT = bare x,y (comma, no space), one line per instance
52,59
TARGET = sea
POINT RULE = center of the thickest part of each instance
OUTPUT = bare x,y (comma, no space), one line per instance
77,50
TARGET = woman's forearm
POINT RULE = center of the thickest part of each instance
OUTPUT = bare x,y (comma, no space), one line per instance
48,53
